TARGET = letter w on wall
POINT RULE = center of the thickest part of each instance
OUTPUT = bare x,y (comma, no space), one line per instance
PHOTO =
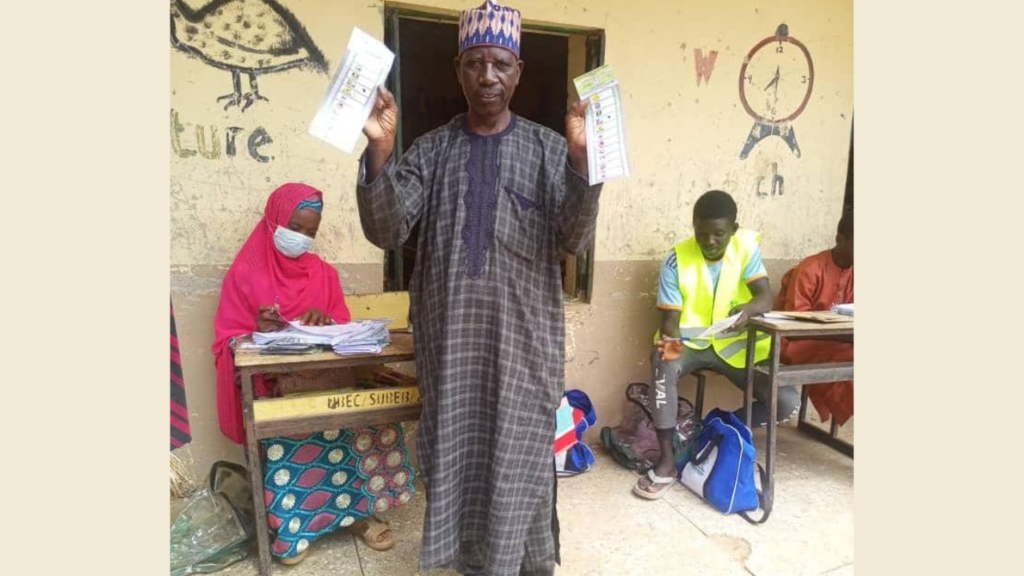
705,64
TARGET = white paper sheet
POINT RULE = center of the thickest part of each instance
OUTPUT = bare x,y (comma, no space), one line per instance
844,309
353,92
718,327
356,333
715,329
607,157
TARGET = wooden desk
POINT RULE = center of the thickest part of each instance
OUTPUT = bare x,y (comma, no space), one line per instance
303,414
788,375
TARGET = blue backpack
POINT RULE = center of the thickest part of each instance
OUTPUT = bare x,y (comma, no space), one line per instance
723,470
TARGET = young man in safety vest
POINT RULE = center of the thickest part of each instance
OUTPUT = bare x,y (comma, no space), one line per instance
715,274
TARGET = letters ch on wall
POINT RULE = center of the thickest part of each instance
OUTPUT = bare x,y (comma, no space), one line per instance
777,183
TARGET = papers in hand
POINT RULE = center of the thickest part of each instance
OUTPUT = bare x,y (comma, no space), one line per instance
606,131
720,327
356,337
353,92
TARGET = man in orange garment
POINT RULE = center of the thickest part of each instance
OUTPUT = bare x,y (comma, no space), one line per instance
820,282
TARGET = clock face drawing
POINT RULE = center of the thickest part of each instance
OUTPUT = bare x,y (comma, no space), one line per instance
775,85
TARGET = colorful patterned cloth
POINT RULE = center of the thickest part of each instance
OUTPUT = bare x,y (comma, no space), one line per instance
316,483
181,432
314,204
490,24
574,415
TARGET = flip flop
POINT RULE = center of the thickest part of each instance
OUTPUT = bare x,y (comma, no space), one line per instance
294,559
656,488
371,530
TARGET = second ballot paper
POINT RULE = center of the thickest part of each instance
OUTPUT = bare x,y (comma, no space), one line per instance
606,130
353,92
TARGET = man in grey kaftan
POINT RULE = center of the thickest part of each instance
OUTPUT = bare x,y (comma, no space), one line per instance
495,212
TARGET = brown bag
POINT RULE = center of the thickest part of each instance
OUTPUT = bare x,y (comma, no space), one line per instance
634,442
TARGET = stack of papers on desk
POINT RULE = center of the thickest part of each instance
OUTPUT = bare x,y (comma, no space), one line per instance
808,316
844,309
775,319
356,337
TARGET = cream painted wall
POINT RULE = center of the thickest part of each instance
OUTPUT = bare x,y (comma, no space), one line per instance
684,138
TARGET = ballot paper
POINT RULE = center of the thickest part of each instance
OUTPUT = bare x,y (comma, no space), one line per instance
811,316
353,92
355,337
718,328
606,132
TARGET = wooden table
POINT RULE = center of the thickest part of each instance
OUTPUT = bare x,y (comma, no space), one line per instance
789,375
309,413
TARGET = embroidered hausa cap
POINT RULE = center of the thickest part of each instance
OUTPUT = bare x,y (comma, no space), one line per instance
490,24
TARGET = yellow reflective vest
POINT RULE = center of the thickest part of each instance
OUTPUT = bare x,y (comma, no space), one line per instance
703,304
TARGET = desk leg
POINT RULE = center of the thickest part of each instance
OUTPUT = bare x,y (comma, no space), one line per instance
803,405
748,394
830,438
773,408
252,449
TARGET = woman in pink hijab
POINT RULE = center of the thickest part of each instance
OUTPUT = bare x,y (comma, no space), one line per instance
274,277
320,482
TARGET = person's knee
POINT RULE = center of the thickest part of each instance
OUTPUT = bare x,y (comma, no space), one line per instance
664,407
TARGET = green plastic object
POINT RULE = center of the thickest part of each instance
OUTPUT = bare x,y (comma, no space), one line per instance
215,528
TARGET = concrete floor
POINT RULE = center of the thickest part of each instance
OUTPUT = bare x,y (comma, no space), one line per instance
608,531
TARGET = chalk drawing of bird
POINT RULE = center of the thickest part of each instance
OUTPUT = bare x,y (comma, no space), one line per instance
251,37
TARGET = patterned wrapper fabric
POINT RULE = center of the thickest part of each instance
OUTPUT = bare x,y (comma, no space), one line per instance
181,432
318,483
490,24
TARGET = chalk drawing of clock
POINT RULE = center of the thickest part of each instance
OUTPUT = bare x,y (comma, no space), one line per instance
776,81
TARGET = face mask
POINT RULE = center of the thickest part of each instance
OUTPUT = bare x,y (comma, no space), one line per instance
291,243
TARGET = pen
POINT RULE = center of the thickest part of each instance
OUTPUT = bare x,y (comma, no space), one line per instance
277,310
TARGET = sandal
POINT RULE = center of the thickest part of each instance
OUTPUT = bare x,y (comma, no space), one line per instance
292,561
652,486
376,534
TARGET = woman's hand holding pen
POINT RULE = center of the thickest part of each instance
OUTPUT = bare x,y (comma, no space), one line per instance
269,319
